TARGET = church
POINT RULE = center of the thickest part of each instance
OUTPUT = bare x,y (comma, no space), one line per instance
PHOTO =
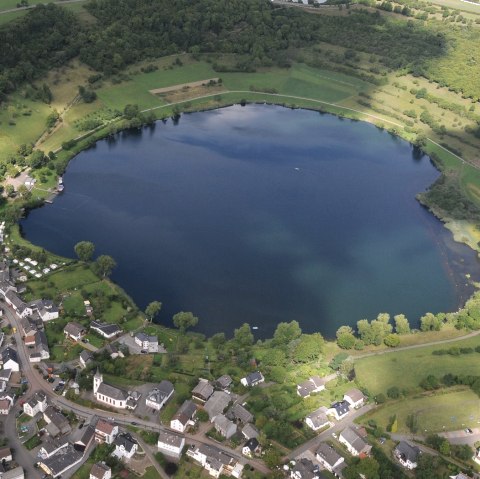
108,394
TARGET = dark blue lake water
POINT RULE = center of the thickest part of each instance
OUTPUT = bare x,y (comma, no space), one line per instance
261,214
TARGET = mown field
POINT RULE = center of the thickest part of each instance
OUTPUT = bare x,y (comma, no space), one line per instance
448,410
405,369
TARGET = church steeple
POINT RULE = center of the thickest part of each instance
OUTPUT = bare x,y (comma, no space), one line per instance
97,380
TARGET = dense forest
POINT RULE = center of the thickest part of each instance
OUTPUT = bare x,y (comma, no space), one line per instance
130,30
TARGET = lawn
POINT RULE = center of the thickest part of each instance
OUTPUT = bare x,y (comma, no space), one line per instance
8,17
32,443
450,410
405,369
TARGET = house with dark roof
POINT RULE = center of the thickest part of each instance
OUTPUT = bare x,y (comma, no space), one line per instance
15,473
37,403
29,328
313,385
57,423
10,359
354,440
5,454
170,443
253,379
354,397
329,458
5,405
217,403
223,382
74,331
46,309
239,414
224,426
85,358
125,446
318,419
114,351
106,330
41,346
305,469
460,475
61,462
21,309
251,447
159,396
184,416
407,455
339,409
85,439
100,471
215,461
51,447
202,391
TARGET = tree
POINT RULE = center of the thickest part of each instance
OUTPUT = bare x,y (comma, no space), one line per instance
308,348
345,337
218,340
392,340
84,250
184,320
202,415
402,325
152,310
243,336
368,468
104,265
286,332
393,392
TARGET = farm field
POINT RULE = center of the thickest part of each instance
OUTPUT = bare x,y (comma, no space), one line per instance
448,410
405,369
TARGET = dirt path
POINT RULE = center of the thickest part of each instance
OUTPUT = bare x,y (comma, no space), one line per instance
33,6
192,84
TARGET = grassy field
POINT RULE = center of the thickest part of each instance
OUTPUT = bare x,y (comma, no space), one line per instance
405,369
448,410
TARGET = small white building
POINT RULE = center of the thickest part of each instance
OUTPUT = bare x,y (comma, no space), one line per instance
215,461
125,446
74,331
313,385
158,397
184,417
37,403
328,457
355,398
146,342
105,431
407,455
10,359
253,379
339,410
170,443
354,440
5,405
318,419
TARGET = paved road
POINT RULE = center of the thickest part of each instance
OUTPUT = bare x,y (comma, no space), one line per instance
123,418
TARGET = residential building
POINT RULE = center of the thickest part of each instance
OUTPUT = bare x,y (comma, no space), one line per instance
171,443
253,379
74,331
5,455
224,426
15,473
313,385
106,330
238,413
407,455
217,403
50,448
29,328
21,309
61,462
88,308
224,382
37,403
10,359
29,341
114,351
354,397
251,447
318,419
329,458
86,438
46,309
354,440
305,469
202,391
184,416
108,394
41,345
146,342
5,405
460,475
249,431
158,397
105,431
57,423
215,461
100,471
85,358
339,409
125,446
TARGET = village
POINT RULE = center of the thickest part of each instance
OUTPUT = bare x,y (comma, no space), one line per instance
54,427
